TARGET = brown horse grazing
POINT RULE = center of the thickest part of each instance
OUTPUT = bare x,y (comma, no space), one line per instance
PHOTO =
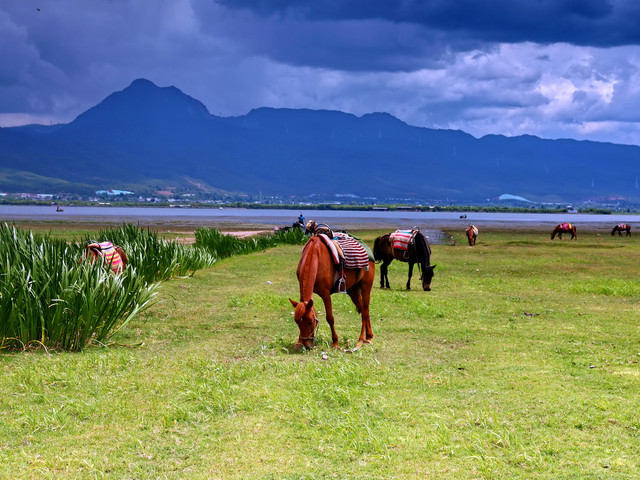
418,252
472,234
620,228
112,256
318,274
564,228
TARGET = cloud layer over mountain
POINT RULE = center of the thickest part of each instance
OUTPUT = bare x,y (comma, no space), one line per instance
552,68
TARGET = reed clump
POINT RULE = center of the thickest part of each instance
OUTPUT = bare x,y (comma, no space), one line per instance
223,246
48,298
156,259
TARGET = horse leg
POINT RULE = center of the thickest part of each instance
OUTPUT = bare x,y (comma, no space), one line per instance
360,297
410,274
384,274
330,320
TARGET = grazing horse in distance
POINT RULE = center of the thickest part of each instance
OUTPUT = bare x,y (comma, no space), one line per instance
112,256
564,228
386,248
472,234
620,228
317,273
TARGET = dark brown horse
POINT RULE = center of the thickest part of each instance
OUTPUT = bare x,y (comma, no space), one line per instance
472,234
418,252
621,227
564,228
318,274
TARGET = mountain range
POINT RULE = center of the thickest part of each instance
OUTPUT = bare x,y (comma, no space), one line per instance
147,137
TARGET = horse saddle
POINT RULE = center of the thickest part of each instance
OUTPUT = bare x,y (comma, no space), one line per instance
402,239
347,251
110,255
566,226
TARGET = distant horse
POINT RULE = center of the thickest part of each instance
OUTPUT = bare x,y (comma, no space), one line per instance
620,228
472,234
318,274
564,228
418,251
112,256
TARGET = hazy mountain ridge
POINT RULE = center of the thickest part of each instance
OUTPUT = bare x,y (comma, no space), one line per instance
147,132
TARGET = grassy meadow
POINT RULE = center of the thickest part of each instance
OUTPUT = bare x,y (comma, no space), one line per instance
522,362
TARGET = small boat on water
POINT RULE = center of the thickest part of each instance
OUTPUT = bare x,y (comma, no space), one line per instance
59,209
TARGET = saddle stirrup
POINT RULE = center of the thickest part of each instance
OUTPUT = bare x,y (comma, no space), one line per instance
342,284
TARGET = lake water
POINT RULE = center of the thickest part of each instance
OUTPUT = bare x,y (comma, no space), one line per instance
262,218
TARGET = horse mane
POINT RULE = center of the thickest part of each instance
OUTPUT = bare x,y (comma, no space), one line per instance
308,268
423,251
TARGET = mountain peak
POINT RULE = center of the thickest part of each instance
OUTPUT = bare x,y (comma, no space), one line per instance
142,83
144,102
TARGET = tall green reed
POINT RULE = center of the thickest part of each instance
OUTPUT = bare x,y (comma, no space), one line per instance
153,258
48,297
223,246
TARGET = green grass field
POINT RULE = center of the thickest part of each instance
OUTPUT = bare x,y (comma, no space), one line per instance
522,362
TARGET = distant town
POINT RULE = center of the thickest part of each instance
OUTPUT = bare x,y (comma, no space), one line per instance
175,199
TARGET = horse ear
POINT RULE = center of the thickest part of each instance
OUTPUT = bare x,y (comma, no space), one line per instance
433,266
294,303
310,304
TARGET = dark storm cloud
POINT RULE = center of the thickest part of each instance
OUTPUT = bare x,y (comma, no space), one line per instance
368,31
545,67
583,22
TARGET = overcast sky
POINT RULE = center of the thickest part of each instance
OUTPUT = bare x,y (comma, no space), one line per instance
552,68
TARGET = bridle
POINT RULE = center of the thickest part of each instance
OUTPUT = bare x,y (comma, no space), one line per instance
315,330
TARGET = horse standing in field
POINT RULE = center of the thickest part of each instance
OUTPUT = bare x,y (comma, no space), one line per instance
564,228
472,234
112,256
620,228
318,273
409,246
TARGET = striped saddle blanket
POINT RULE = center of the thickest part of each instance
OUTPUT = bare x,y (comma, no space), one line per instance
565,226
622,226
110,256
473,229
401,239
347,249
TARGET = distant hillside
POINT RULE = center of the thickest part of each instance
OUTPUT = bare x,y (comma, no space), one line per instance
146,134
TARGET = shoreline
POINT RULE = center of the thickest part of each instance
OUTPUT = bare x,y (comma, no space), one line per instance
258,225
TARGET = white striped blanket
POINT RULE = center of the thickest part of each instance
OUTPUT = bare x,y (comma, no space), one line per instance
353,253
401,239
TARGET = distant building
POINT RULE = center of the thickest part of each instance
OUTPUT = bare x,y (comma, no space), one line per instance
508,197
113,192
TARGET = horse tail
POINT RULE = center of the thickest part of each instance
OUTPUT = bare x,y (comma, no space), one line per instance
376,249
